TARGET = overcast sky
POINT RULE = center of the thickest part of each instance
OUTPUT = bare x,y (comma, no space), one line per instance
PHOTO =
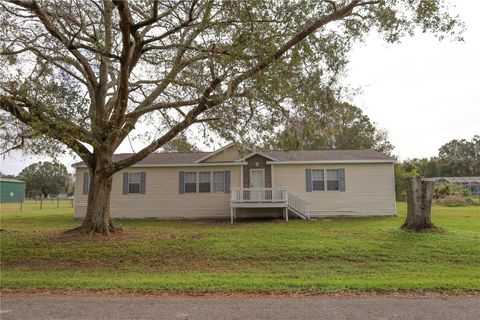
424,92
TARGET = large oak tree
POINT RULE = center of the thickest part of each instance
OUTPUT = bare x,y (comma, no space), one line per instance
87,74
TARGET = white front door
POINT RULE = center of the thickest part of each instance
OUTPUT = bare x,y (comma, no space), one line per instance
257,181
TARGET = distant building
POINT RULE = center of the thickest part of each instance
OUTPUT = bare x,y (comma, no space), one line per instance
470,183
11,190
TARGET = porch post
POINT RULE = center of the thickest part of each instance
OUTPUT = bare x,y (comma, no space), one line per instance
286,213
241,179
272,176
231,215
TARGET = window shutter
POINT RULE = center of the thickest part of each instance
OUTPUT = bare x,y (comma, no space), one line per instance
125,182
142,182
181,186
86,182
308,179
227,181
341,179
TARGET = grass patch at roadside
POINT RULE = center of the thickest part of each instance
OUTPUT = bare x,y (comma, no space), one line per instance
338,254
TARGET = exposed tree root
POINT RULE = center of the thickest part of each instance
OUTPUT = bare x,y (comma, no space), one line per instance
418,227
92,229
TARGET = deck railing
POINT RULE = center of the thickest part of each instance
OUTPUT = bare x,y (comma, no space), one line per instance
272,195
298,204
259,195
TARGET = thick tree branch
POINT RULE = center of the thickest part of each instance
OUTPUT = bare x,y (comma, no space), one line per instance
45,20
205,101
65,132
190,118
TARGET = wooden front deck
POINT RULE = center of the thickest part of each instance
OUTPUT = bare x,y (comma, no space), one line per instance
268,198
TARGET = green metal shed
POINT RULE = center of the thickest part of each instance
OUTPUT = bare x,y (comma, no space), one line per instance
11,190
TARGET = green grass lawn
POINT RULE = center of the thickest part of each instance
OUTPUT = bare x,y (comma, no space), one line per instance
344,254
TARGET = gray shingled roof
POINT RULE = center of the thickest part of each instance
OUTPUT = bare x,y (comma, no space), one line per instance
166,157
161,158
328,155
310,155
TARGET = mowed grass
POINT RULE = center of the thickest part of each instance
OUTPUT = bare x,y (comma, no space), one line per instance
342,254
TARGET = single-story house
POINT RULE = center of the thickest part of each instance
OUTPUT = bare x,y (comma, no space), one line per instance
237,182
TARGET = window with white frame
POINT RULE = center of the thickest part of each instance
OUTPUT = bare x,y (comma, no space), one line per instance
219,181
204,182
318,180
134,181
190,182
333,179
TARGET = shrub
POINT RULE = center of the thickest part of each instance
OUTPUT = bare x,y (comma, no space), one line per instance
442,190
455,201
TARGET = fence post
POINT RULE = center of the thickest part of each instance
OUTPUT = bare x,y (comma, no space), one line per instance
21,205
41,202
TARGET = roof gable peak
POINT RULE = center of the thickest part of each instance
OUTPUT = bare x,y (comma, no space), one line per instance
240,148
257,153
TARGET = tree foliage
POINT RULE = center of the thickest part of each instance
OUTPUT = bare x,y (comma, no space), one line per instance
44,178
424,167
460,157
89,71
8,176
456,158
179,144
341,126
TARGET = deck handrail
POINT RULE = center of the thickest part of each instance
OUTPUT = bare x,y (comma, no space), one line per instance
271,195
259,195
299,204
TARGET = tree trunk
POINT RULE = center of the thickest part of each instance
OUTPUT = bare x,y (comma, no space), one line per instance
419,204
98,218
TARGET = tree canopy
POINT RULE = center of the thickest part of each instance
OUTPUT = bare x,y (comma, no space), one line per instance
179,144
460,157
342,126
44,178
8,176
456,158
85,72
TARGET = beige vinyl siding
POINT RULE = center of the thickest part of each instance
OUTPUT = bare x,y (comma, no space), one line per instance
229,154
369,191
162,198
